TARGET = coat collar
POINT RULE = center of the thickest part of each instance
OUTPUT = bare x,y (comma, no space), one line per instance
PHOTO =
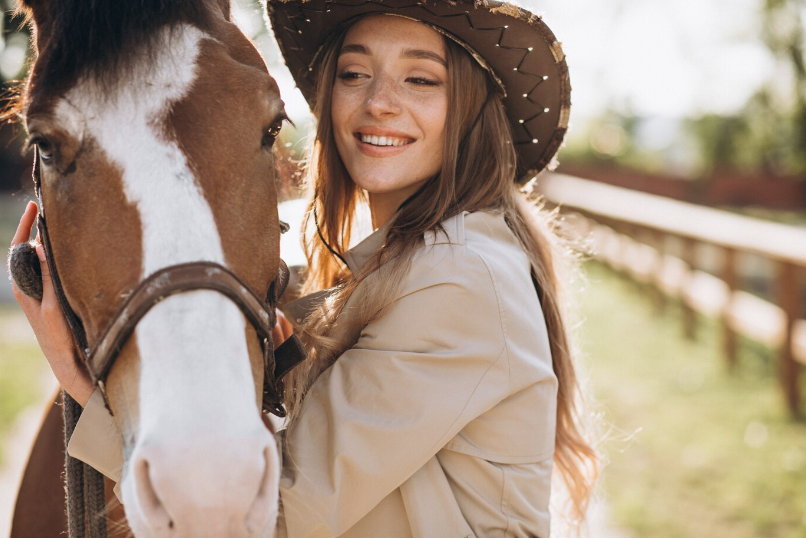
453,233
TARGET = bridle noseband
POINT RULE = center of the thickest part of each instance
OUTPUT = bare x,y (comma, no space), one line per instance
170,281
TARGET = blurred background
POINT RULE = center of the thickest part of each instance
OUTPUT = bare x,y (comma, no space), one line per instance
684,180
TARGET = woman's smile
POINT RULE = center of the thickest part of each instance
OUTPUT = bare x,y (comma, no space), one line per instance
381,141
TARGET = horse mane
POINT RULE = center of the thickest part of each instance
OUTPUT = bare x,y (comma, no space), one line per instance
99,37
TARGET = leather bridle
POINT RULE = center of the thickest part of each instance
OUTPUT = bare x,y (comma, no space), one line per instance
169,281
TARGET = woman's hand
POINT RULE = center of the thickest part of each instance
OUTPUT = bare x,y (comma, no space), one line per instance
48,322
282,330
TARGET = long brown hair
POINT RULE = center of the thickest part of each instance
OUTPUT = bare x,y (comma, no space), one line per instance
477,174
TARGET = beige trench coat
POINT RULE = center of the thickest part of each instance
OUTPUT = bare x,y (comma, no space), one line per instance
438,423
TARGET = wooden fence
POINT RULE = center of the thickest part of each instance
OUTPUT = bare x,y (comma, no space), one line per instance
635,234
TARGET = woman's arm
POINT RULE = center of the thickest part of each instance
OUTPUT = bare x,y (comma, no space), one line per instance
434,362
48,322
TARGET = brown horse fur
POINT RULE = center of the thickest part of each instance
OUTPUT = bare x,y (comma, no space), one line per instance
95,232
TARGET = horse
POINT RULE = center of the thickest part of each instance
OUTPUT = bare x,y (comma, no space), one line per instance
154,123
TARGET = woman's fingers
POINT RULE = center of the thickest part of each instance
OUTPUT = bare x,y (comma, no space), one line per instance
26,223
277,337
282,330
22,235
286,328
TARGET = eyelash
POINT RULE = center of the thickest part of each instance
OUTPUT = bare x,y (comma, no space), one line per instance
349,75
423,81
420,81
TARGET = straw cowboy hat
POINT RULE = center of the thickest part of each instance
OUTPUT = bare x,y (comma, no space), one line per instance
515,46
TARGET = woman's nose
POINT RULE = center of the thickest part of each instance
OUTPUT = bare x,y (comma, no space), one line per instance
382,99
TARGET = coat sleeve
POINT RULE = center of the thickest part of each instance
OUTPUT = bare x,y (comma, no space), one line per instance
435,361
97,442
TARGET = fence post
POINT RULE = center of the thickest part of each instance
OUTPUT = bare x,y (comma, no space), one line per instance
728,335
689,315
659,243
788,368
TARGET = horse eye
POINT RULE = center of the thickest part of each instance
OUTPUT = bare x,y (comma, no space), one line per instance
273,131
43,145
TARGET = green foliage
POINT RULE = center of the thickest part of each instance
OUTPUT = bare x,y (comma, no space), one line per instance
14,43
21,368
719,138
610,140
696,452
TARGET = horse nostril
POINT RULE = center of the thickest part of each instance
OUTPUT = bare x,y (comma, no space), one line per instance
154,513
263,512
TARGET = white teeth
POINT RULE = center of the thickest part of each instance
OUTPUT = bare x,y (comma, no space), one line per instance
382,140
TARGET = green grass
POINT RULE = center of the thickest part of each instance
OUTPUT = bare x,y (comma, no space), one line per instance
21,368
696,451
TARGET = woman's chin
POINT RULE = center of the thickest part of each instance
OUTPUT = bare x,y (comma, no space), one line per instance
387,182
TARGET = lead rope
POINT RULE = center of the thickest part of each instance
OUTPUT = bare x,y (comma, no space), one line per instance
86,500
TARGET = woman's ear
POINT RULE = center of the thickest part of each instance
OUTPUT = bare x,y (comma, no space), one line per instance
24,268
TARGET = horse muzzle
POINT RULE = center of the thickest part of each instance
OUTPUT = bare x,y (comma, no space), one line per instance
215,488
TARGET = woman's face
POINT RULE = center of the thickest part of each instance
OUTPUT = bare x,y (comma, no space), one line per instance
390,101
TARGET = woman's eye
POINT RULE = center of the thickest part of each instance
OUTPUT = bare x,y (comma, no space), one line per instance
348,76
422,81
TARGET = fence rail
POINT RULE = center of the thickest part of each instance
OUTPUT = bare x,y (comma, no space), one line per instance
632,232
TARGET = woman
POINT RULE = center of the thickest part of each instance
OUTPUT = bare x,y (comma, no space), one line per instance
440,391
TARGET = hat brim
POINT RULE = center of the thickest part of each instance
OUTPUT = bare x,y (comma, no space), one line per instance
514,45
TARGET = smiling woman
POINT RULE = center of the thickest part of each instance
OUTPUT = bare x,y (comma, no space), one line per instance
441,373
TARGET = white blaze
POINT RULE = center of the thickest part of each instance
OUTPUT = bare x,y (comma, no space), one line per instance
194,360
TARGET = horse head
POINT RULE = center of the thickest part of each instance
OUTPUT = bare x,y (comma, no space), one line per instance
154,123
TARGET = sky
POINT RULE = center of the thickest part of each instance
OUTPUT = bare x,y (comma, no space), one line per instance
659,57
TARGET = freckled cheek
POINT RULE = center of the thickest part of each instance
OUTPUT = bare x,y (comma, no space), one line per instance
344,105
431,110
432,123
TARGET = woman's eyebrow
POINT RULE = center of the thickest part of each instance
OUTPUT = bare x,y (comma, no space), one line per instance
416,54
419,54
360,49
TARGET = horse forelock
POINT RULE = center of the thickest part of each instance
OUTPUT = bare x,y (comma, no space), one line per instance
101,39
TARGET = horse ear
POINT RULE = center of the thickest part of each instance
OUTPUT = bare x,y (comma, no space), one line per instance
24,268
